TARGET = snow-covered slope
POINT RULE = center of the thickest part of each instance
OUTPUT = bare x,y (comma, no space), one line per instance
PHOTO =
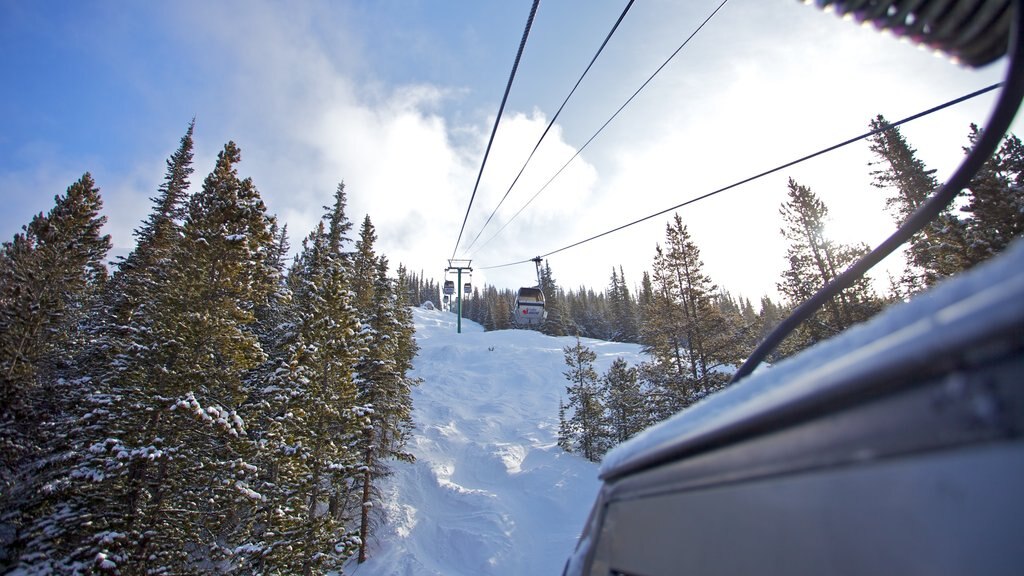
490,492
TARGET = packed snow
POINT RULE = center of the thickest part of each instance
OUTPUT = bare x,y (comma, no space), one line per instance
490,492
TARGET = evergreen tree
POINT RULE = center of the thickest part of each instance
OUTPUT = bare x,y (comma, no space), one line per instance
385,387
340,225
51,274
364,268
662,390
645,310
622,309
554,324
183,467
814,261
938,251
312,423
685,331
587,427
768,317
623,401
995,199
139,274
51,279
500,306
565,433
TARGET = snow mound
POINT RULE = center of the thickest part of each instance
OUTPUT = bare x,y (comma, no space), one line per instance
490,492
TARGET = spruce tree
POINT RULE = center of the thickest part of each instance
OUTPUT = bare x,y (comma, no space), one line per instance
938,251
622,309
177,462
623,401
554,324
124,455
364,268
312,423
565,432
587,424
384,386
645,310
52,272
686,331
995,199
138,274
500,310
814,261
117,473
51,278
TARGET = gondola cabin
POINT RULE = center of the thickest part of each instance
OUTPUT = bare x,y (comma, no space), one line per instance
467,288
449,287
529,307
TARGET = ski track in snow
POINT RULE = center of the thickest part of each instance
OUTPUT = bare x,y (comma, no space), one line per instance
490,492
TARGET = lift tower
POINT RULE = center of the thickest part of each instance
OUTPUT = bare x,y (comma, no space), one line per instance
459,266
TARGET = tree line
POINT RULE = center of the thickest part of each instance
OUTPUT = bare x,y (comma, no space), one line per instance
696,334
208,406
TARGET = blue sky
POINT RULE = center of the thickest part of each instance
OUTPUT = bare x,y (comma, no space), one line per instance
397,99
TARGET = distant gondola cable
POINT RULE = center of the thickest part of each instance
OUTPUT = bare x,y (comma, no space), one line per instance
501,109
763,174
609,121
552,122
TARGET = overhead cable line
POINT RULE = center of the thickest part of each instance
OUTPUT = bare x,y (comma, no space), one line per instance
508,88
999,123
766,172
552,122
609,121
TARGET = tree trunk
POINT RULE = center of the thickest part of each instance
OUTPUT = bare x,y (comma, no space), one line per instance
364,512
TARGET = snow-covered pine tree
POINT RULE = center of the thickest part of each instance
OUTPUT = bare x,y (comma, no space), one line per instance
115,433
623,402
364,268
51,273
311,423
814,261
384,386
51,277
587,423
565,431
179,456
138,274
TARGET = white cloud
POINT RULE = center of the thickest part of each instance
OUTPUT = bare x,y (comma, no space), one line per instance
763,84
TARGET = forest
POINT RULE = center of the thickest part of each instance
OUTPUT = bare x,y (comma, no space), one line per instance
207,406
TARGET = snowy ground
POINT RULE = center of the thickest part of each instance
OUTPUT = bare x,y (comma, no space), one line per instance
490,492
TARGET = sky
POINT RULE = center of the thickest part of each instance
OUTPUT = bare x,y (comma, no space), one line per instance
397,100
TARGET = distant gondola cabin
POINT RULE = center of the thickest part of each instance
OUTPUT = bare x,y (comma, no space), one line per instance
529,307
